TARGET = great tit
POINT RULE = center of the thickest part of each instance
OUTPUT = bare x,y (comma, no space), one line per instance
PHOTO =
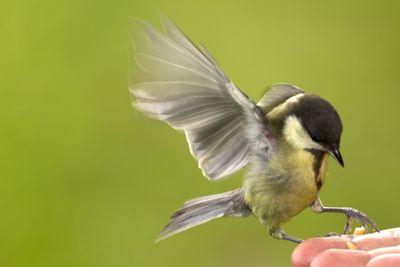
284,140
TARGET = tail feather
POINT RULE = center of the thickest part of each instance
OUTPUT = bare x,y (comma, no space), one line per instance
200,210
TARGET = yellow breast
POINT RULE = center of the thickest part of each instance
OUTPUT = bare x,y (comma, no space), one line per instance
321,175
289,187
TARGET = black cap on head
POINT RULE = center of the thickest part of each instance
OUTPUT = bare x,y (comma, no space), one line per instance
320,120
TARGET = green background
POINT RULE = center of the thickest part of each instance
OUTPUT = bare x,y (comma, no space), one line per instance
87,181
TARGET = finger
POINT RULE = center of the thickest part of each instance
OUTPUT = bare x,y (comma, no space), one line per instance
341,257
386,260
309,249
386,250
386,238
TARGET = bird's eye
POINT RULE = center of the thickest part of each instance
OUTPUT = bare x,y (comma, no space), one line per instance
316,139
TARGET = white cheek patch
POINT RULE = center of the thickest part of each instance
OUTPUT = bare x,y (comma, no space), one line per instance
296,135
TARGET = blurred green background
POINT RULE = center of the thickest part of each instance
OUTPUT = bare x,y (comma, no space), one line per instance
87,181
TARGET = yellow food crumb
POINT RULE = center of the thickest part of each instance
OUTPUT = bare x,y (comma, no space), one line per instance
351,245
359,231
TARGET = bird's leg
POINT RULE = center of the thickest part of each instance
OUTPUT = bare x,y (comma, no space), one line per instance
277,233
350,213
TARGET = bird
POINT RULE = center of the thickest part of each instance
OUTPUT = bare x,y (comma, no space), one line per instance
283,141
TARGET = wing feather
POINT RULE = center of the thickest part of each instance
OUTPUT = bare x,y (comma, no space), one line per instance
182,85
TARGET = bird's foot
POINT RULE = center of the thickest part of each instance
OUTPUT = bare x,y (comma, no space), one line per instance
277,233
329,234
359,217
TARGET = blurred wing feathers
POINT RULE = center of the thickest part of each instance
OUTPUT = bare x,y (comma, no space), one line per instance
183,86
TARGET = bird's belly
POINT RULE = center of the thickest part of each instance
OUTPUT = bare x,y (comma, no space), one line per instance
282,192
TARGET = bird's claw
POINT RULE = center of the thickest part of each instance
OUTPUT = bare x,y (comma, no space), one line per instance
359,217
330,234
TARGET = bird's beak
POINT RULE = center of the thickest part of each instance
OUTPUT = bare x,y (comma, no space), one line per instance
335,152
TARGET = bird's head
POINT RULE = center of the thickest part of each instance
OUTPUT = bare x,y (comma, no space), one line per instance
312,123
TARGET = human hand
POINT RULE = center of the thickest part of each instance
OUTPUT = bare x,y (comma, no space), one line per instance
371,250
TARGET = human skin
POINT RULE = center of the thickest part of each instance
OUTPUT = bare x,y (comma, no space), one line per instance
370,250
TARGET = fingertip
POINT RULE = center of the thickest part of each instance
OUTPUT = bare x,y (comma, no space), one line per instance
301,256
304,253
341,257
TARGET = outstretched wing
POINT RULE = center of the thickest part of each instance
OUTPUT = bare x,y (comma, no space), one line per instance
179,84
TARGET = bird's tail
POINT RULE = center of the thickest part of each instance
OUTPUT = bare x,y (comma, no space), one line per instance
204,209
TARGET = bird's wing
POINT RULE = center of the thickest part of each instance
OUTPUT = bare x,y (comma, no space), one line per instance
179,84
